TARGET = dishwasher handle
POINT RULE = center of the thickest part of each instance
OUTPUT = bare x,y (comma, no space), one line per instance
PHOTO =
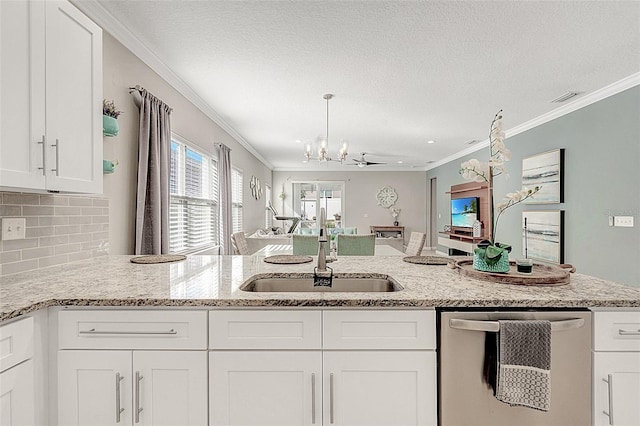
494,326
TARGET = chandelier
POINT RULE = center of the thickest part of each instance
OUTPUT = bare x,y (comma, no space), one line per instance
323,143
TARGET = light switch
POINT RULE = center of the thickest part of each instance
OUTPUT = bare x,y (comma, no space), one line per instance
13,228
626,221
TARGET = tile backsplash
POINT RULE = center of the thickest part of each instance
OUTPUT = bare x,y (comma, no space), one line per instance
59,229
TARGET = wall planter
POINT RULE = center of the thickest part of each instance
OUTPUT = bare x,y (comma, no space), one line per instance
108,166
109,126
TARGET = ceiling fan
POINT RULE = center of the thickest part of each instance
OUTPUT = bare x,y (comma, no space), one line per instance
362,162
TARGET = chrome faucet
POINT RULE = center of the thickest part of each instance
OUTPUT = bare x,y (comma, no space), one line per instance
322,238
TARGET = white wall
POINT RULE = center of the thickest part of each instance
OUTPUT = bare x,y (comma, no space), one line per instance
122,69
361,208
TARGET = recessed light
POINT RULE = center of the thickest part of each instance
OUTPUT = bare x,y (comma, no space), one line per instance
400,161
298,141
431,141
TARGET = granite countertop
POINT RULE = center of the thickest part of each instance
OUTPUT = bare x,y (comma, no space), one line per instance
215,281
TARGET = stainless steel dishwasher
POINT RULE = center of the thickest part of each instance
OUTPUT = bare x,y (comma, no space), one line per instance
465,399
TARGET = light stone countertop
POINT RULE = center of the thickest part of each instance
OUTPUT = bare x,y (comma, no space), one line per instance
215,280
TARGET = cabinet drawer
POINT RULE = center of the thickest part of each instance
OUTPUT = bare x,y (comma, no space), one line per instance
130,329
263,329
356,329
616,331
16,342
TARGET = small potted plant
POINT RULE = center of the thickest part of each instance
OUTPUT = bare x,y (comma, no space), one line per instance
109,118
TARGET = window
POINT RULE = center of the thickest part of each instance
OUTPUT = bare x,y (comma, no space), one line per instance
309,197
193,199
236,200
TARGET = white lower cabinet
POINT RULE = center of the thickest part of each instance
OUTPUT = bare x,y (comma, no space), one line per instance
616,388
17,400
17,374
616,367
369,368
379,388
330,388
132,387
265,387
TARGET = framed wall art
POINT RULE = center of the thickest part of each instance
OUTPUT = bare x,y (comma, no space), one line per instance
547,171
543,235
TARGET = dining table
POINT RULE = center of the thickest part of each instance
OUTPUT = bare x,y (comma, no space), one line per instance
277,249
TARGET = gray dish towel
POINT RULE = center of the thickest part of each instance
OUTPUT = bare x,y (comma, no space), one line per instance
524,363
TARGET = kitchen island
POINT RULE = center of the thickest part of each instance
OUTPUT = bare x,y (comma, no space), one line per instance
210,281
105,318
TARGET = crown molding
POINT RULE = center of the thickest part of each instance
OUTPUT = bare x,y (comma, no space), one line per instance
581,102
109,23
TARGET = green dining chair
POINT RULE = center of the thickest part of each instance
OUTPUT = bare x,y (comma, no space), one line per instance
356,245
307,245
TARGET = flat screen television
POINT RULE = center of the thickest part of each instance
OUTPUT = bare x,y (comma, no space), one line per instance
465,211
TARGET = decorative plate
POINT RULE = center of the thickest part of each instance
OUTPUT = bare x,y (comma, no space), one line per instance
427,260
387,197
288,258
159,258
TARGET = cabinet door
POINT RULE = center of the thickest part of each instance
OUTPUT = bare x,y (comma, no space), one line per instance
265,388
17,395
616,388
73,100
22,97
170,388
94,388
380,388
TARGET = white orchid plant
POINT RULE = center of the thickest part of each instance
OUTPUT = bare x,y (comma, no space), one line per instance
483,172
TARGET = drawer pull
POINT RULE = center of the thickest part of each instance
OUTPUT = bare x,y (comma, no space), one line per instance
629,332
609,382
94,331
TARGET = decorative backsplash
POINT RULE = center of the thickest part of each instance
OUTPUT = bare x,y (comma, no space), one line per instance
59,229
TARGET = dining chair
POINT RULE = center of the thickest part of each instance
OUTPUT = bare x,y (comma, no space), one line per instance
416,243
356,245
307,245
239,244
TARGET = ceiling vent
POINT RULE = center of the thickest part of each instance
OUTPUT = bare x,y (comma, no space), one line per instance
565,97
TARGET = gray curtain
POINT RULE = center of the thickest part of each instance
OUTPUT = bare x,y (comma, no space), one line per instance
152,206
224,180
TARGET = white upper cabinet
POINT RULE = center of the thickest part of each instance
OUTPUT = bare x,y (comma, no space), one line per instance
50,98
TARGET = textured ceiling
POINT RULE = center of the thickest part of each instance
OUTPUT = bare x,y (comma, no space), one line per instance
403,72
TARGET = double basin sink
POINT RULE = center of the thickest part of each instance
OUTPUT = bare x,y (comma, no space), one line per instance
302,283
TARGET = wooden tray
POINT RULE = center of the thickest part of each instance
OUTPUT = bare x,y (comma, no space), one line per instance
542,275
288,259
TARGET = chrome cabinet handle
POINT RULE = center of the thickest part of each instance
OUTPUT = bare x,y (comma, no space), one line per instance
138,409
119,410
609,382
313,398
57,147
42,142
629,332
331,398
94,331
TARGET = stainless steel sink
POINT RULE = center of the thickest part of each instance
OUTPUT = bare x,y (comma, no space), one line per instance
342,283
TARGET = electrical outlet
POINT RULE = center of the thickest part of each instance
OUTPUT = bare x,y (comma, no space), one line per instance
626,221
13,228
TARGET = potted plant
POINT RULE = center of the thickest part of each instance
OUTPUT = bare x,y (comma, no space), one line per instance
492,256
109,118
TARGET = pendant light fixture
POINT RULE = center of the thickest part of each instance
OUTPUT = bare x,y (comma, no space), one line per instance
323,143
